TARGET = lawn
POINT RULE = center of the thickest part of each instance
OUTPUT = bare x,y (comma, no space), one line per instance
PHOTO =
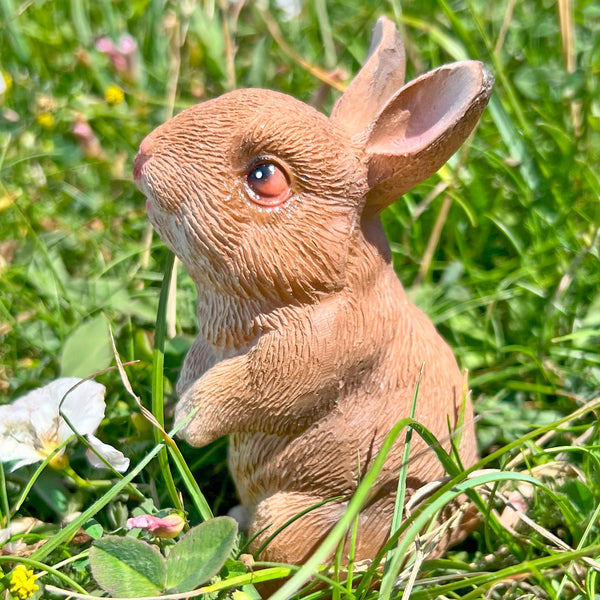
501,248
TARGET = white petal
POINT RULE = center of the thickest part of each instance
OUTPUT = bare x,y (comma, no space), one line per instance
15,422
113,456
84,407
22,418
31,425
18,440
43,406
23,454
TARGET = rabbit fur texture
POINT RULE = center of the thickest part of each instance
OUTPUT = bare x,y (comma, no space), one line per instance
308,349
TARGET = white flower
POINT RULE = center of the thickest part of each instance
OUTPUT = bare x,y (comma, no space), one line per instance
31,427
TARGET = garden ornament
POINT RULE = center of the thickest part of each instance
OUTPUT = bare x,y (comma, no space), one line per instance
309,350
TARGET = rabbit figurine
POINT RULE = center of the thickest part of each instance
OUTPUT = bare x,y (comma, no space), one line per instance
308,349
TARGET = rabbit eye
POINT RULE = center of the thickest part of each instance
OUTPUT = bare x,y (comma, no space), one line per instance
268,185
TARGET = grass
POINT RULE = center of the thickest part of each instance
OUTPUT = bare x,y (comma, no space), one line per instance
501,248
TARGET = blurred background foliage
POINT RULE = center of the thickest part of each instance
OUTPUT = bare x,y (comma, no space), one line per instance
500,248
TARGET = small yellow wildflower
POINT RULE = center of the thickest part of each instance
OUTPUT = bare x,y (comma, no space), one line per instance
22,582
46,120
114,95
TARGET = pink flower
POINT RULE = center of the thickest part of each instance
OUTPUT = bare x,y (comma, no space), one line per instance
124,56
162,527
89,143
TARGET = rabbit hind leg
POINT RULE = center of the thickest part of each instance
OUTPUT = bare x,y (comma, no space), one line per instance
300,536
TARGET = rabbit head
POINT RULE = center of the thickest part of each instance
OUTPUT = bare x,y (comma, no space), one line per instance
249,189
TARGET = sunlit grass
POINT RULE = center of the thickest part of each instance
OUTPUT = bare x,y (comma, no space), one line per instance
501,248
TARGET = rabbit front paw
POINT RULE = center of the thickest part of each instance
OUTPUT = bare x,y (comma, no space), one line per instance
192,410
213,405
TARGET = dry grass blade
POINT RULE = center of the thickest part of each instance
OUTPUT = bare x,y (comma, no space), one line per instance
565,11
508,15
127,385
330,80
548,535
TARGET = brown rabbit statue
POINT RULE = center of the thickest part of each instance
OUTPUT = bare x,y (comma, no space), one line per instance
308,349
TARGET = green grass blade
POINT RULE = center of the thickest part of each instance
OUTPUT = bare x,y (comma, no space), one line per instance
437,503
80,20
401,493
4,507
158,359
9,22
514,142
581,545
326,34
197,497
62,295
65,534
481,582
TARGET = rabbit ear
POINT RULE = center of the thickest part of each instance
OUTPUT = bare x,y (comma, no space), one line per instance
420,127
379,78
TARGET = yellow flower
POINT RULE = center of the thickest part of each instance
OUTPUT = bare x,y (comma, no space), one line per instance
46,120
114,95
22,582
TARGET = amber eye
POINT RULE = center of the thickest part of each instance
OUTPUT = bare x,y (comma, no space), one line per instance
268,185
